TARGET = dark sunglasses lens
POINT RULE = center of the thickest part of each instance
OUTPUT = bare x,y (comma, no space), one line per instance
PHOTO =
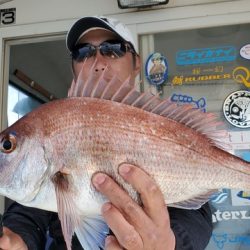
83,52
114,50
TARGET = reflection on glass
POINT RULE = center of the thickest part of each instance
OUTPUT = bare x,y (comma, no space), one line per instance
19,104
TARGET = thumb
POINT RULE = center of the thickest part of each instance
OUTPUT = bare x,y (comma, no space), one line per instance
11,240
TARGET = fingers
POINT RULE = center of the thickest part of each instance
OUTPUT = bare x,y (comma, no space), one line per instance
5,239
11,240
135,227
122,201
124,231
149,192
111,243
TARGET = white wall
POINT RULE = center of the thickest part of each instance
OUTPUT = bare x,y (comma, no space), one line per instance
33,11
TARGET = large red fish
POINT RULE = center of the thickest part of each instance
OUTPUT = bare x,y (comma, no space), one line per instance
47,158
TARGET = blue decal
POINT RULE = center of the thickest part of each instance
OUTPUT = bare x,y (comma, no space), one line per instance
224,238
244,195
246,156
200,104
219,240
206,55
241,239
156,69
220,197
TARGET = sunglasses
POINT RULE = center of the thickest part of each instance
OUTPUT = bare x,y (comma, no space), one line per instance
111,49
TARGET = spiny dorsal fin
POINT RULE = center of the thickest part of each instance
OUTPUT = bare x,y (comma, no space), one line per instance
108,86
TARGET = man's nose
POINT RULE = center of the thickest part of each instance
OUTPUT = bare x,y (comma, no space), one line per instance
101,62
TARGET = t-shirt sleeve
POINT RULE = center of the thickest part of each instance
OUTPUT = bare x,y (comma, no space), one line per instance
30,223
192,228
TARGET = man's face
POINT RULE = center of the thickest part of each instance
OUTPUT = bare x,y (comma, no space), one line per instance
123,66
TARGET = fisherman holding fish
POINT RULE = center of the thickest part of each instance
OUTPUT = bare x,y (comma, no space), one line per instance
101,48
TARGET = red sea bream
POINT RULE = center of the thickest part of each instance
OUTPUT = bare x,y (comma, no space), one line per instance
48,157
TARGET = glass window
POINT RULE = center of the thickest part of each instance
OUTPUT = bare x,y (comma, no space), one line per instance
210,69
19,103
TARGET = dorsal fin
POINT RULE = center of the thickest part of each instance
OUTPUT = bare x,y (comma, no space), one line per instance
108,86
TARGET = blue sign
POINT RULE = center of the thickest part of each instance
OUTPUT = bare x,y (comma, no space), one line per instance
206,55
230,219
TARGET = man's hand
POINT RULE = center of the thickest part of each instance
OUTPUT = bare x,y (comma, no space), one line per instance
11,241
135,227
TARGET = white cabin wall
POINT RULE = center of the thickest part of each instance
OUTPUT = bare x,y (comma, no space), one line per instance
35,11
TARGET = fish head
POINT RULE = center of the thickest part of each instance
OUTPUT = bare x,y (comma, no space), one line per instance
22,159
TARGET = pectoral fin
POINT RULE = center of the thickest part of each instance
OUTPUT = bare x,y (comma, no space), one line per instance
67,208
92,232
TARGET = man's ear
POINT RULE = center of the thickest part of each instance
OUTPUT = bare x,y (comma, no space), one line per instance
137,65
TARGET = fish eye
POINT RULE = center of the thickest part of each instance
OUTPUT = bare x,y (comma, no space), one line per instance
8,143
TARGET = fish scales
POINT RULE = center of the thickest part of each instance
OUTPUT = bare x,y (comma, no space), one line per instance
105,142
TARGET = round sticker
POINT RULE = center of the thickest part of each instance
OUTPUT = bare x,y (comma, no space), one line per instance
156,69
236,109
245,51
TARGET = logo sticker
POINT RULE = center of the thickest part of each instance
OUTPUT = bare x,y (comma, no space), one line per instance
224,240
244,195
156,69
240,197
219,239
206,55
180,80
236,109
202,71
200,104
245,51
219,197
242,75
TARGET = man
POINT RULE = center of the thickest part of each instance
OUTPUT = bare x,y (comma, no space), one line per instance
97,44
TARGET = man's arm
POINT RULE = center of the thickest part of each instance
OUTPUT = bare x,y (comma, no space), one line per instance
149,226
192,228
25,225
